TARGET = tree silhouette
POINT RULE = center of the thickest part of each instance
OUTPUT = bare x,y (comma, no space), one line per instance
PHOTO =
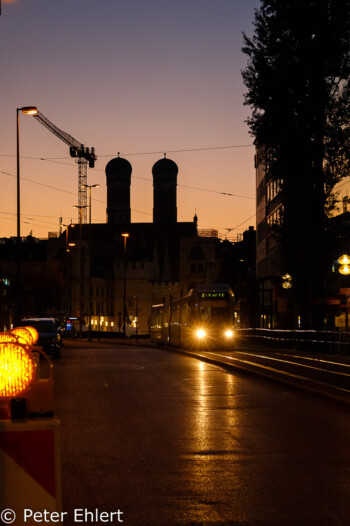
297,80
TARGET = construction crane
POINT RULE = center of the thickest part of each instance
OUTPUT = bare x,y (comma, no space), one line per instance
84,156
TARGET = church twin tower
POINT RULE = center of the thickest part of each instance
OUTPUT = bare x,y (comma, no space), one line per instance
118,172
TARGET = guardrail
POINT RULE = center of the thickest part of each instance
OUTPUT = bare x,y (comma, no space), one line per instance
326,341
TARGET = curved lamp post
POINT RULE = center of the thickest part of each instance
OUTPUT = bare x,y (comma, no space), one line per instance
27,110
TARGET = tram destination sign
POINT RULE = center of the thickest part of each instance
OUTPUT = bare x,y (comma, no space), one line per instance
213,295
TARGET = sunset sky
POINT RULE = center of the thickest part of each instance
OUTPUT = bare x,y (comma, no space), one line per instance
131,76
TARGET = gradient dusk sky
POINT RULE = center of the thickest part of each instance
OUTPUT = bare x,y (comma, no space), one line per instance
139,77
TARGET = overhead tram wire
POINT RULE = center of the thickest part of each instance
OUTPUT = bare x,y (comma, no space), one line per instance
146,179
65,191
235,227
184,150
210,148
56,160
31,223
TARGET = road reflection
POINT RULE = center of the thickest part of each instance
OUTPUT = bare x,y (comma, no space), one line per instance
214,426
213,448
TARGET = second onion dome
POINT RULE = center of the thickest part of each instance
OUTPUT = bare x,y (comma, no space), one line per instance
164,191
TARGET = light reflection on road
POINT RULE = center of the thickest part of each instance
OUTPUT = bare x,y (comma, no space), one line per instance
215,421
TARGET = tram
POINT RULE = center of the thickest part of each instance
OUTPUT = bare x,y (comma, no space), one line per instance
205,316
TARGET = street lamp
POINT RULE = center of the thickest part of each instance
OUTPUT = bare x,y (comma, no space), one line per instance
89,186
344,269
69,245
344,261
81,269
27,110
125,236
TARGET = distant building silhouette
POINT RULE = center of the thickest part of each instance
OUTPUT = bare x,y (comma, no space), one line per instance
163,258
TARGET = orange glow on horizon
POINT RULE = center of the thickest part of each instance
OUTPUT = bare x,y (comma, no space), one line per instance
206,136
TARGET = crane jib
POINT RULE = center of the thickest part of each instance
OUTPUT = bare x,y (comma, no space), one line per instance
76,149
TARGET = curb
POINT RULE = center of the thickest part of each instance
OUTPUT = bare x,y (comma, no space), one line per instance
328,392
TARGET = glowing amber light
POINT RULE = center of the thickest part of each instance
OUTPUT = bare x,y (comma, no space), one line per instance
34,333
16,370
345,270
29,110
229,334
200,334
7,337
23,334
344,259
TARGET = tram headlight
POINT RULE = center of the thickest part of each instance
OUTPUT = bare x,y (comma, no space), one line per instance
200,334
229,333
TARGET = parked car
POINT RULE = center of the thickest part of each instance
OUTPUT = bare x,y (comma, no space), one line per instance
50,338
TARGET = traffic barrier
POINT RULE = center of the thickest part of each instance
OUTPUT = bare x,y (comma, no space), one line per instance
29,448
30,466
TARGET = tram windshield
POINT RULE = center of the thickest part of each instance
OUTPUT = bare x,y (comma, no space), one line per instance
219,314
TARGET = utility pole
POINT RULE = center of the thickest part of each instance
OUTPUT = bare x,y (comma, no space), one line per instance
81,269
125,236
89,186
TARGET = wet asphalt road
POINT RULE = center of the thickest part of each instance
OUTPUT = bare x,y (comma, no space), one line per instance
170,440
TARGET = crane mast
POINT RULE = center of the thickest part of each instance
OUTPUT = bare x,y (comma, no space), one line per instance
83,155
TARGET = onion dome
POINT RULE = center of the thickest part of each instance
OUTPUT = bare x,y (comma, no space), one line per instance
118,168
165,169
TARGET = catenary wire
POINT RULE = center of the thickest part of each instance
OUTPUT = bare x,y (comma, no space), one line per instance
159,152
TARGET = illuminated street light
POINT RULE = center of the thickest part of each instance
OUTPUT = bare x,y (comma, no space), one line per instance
345,270
27,110
344,262
344,259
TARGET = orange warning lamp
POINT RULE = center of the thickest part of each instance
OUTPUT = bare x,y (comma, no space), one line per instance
7,337
16,370
23,334
34,333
